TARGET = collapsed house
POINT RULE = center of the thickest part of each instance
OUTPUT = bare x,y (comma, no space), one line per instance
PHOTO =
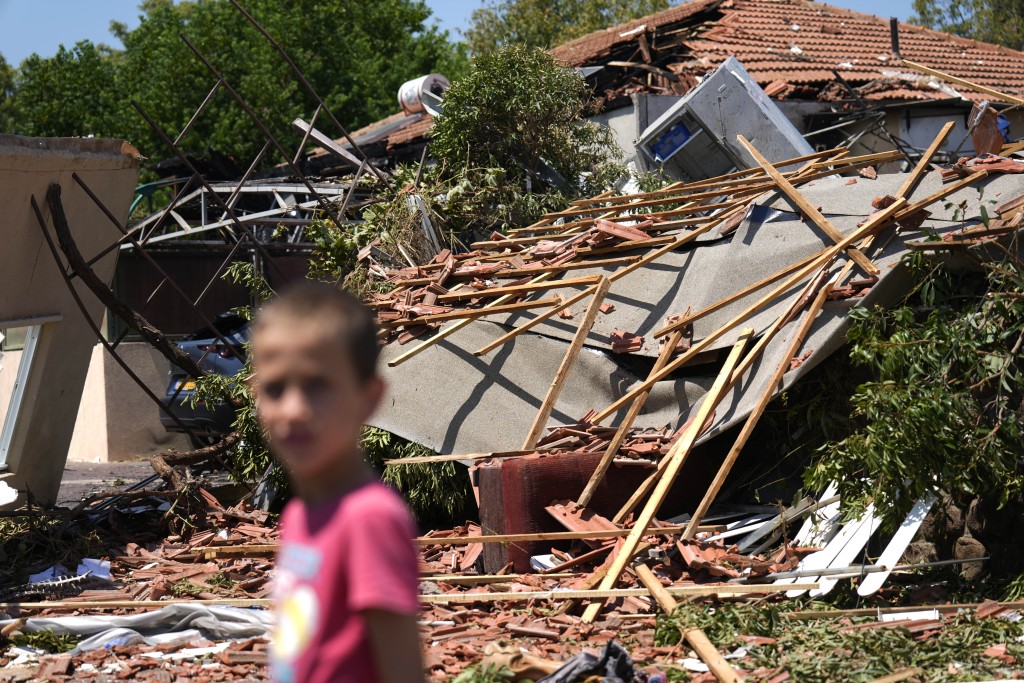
832,71
599,371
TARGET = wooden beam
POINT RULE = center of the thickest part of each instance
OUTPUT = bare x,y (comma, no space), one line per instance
946,608
518,289
900,675
807,208
130,604
568,362
665,601
907,188
627,423
755,414
877,222
455,327
687,319
676,456
485,579
710,655
471,313
960,81
617,275
695,591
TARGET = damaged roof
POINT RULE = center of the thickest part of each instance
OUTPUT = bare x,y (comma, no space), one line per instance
791,47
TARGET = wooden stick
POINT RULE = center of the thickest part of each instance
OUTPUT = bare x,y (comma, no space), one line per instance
677,188
811,615
571,355
907,188
710,655
755,415
879,220
472,313
900,675
807,208
484,579
676,456
960,81
1011,148
519,289
940,194
455,327
655,588
687,319
259,549
657,253
456,457
130,604
605,594
627,423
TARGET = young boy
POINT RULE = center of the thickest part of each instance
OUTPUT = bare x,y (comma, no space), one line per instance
347,571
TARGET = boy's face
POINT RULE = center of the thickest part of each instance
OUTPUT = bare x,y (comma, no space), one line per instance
310,399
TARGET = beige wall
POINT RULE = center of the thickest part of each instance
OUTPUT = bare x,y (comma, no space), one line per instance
31,286
116,419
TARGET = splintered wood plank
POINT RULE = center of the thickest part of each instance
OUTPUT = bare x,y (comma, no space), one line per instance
472,313
755,415
456,326
676,457
568,362
710,655
807,208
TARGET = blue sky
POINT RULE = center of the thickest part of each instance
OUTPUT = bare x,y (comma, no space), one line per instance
40,26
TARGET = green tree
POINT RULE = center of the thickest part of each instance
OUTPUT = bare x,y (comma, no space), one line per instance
993,21
520,111
72,93
546,23
945,407
356,55
7,114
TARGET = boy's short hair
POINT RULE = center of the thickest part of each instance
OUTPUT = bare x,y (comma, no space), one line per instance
342,315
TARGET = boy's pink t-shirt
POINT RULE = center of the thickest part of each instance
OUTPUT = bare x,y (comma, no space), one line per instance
336,560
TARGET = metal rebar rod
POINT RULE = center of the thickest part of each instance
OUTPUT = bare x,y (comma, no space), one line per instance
262,126
309,88
96,330
150,260
162,134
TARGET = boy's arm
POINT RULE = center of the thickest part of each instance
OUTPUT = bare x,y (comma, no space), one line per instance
395,641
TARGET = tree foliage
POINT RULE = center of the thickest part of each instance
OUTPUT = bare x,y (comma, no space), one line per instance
520,111
546,23
356,55
992,21
72,93
7,75
945,408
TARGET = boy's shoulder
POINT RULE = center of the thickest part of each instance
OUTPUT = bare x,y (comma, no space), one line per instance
377,498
